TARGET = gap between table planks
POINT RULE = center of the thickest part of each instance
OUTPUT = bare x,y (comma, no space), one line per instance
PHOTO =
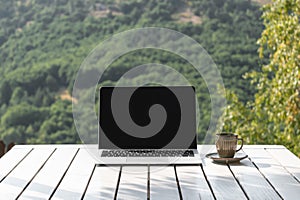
20,157
277,175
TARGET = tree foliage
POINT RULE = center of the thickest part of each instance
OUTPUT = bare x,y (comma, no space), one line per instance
43,43
274,115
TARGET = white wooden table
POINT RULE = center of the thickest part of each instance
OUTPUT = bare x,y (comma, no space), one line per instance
69,172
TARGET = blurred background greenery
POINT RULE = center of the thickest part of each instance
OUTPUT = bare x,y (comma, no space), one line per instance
255,44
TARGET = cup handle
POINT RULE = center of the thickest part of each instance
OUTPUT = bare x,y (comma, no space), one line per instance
241,144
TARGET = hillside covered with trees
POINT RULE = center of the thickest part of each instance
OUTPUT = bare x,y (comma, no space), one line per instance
43,43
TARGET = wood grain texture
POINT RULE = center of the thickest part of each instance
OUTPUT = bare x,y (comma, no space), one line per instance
163,183
279,177
103,183
192,183
252,181
287,159
48,178
222,181
35,172
17,180
133,183
77,177
11,160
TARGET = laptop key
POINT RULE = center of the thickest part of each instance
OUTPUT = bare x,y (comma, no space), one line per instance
147,153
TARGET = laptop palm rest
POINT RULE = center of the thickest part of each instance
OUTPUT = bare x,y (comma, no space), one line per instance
137,160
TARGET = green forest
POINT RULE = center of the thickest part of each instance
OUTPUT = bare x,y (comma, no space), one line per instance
44,42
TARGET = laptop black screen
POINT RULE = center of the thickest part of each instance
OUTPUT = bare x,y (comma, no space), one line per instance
147,117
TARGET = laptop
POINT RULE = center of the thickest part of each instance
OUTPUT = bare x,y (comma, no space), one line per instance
148,125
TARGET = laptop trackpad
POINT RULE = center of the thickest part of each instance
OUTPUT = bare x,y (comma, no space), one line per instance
150,160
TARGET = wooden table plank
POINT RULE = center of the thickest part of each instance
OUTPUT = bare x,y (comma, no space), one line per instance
287,159
222,181
133,183
252,181
163,183
11,160
103,183
192,183
40,172
263,146
282,181
46,146
17,180
42,185
209,148
77,177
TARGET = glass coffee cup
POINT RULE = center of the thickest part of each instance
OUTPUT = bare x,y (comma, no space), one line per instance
226,144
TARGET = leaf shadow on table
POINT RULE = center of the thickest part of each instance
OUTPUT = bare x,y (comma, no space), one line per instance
100,194
133,190
241,163
38,190
159,186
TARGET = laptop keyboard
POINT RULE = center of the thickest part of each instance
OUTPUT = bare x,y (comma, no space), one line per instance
147,153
